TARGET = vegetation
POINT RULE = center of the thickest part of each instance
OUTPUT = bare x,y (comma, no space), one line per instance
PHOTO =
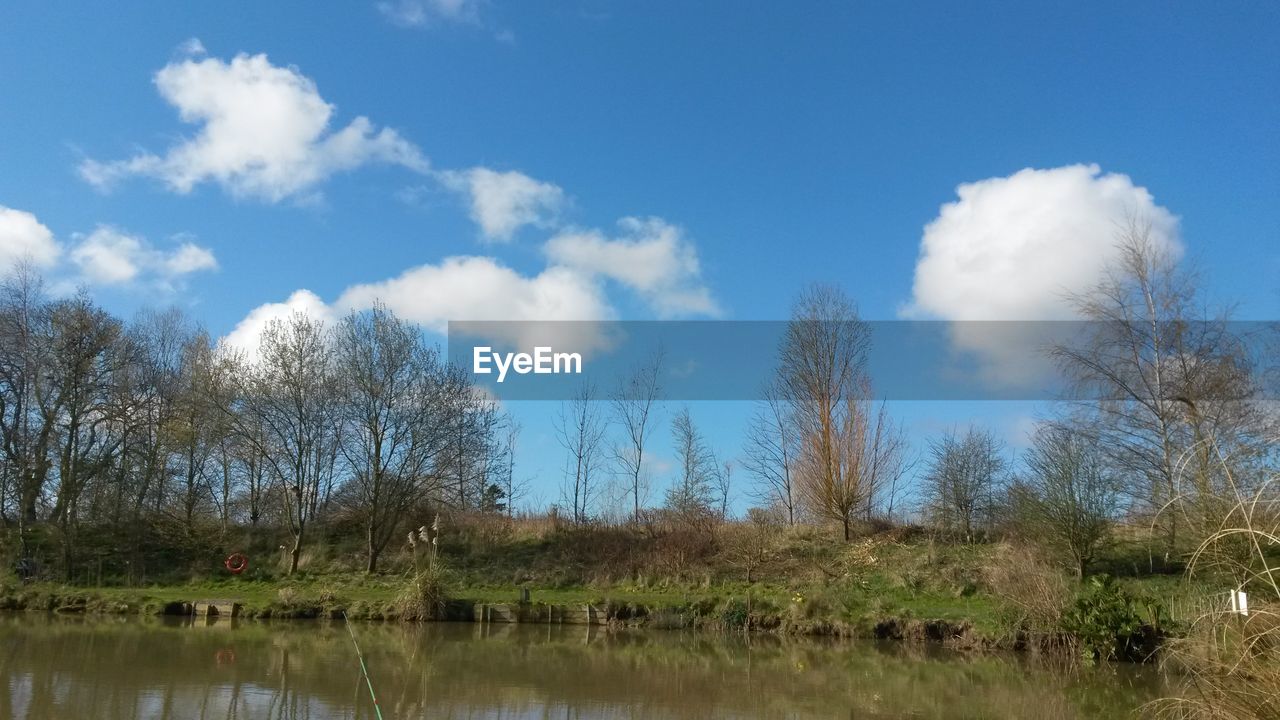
136,455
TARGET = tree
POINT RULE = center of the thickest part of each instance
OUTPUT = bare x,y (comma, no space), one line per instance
632,405
822,373
1067,498
696,467
290,414
724,488
961,482
580,431
770,453
1156,376
395,420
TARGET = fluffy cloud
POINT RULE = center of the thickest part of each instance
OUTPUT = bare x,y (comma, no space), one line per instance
1017,248
649,256
459,288
109,256
1014,248
246,336
503,202
417,13
263,132
24,239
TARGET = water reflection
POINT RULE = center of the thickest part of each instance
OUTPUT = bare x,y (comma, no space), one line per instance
129,668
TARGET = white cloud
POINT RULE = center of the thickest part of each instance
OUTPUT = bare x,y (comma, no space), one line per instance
110,256
460,288
481,288
247,334
650,256
417,13
1014,248
1017,248
263,132
23,238
503,202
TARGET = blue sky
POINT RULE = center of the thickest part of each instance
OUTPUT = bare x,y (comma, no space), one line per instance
758,146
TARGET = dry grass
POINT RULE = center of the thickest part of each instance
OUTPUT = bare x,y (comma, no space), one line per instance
1033,590
1231,664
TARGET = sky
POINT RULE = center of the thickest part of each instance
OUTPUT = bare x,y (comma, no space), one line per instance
489,160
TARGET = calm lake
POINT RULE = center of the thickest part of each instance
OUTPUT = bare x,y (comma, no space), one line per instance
71,668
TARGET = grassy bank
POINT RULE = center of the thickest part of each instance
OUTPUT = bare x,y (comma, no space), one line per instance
892,585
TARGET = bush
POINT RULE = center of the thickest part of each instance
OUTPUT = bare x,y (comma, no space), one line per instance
1110,624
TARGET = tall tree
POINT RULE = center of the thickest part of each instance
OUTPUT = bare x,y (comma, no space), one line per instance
823,374
289,413
1157,375
580,430
771,451
633,405
395,412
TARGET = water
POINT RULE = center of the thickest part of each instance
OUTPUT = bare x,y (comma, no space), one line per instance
72,668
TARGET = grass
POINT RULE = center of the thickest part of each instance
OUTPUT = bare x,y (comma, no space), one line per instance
882,585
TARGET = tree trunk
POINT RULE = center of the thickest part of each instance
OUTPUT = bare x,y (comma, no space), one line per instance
372,557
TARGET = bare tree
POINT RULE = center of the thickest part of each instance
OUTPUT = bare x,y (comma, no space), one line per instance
1067,499
696,467
724,488
513,489
580,430
633,404
771,452
823,359
962,480
1158,374
391,396
289,413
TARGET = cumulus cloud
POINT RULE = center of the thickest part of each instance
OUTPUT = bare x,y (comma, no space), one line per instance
481,288
110,256
264,132
246,336
649,255
23,238
1017,248
460,288
503,202
419,13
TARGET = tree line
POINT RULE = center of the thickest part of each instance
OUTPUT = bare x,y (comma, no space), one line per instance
116,432
149,426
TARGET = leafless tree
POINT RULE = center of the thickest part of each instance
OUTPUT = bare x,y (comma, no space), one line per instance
394,412
771,452
580,430
1157,375
961,484
696,467
289,411
1067,498
823,363
633,405
724,488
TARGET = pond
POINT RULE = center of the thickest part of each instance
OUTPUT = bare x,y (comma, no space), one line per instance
116,668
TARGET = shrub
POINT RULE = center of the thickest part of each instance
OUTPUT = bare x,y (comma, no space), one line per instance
1109,623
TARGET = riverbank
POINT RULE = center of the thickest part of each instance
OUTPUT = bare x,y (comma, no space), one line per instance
965,616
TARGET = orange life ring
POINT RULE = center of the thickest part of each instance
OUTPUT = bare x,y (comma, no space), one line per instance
236,563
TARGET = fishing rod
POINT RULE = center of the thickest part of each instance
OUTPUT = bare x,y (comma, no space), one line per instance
363,668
